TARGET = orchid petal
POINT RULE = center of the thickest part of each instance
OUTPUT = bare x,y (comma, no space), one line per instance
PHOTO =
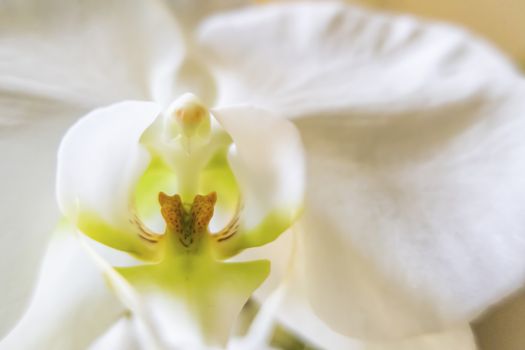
72,304
293,311
268,162
331,58
121,336
295,314
100,161
427,219
28,212
414,153
279,253
83,53
57,61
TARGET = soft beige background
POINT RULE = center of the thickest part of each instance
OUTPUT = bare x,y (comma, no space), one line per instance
503,328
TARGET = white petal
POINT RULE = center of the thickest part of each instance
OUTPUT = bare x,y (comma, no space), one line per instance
415,159
279,253
100,159
294,312
334,58
57,61
99,163
121,336
296,315
262,327
72,304
268,162
89,53
28,209
407,220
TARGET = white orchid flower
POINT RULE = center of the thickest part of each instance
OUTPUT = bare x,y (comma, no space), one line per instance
412,133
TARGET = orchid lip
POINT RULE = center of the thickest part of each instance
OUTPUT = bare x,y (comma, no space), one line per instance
187,223
188,226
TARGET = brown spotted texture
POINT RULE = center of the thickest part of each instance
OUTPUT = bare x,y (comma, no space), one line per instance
187,226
